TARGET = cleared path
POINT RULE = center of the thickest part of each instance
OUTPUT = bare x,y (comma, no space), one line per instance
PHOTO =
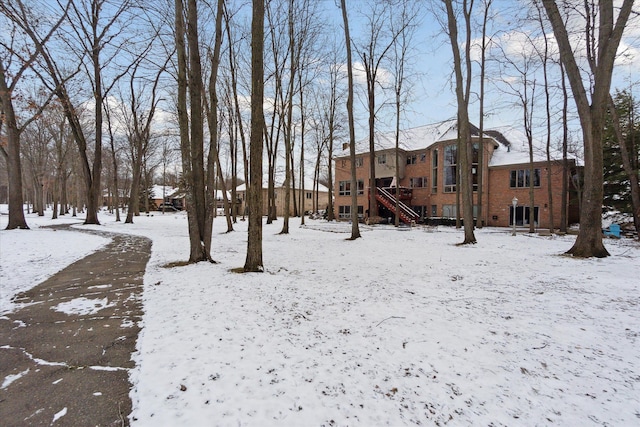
65,356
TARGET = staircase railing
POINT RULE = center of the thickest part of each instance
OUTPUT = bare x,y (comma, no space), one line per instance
406,214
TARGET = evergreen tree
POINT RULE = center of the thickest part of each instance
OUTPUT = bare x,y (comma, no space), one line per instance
617,185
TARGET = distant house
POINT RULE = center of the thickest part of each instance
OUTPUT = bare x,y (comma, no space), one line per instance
306,202
427,167
166,194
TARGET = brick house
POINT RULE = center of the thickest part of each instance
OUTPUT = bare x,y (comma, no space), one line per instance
312,200
427,162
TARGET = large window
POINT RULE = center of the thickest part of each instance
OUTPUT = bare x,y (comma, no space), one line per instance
418,182
474,167
344,188
449,211
450,168
523,215
382,159
520,178
411,159
434,171
344,211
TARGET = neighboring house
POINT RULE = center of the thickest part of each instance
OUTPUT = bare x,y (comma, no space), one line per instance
427,168
164,193
310,196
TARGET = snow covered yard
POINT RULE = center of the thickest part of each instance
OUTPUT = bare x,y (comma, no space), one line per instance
396,328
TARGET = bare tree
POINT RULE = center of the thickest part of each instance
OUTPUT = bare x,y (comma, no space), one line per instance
138,115
465,153
373,52
253,262
602,44
24,58
403,24
481,98
355,229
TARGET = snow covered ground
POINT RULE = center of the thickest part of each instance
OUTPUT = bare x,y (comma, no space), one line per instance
395,328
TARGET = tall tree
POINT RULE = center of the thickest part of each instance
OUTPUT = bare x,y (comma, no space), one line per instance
253,262
24,57
12,154
622,170
355,229
462,85
603,39
402,23
199,180
373,52
481,98
138,115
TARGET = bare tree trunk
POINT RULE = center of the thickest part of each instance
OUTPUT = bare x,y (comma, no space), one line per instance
253,262
564,200
466,150
480,171
213,161
288,130
12,156
592,115
355,230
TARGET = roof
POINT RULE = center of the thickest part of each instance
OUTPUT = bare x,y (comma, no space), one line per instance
158,191
308,184
513,148
511,144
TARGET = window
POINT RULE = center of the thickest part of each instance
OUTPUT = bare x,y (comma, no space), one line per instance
520,178
448,211
308,195
343,163
359,162
344,212
344,188
474,167
419,182
420,210
423,157
450,168
382,159
434,210
523,215
434,172
411,160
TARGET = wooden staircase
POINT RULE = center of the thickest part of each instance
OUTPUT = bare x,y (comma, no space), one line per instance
388,200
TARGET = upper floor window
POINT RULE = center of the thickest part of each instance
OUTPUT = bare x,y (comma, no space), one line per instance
308,195
520,178
418,182
344,188
382,159
359,162
434,171
423,157
411,159
450,168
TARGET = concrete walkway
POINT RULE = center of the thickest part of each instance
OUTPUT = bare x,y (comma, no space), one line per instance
66,369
